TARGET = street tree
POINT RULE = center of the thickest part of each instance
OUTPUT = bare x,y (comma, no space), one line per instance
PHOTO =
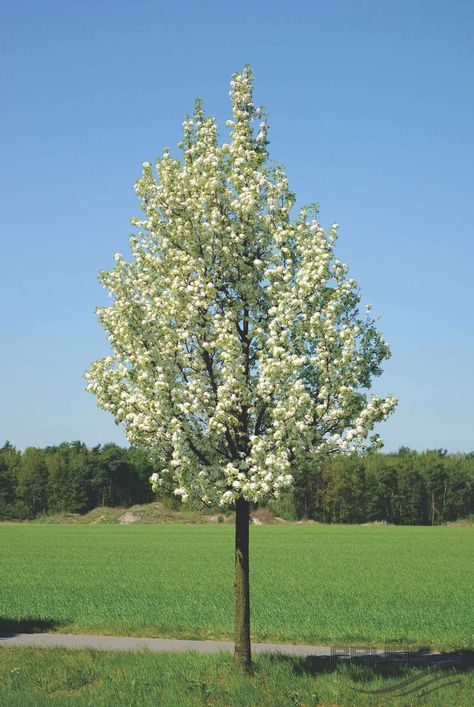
239,348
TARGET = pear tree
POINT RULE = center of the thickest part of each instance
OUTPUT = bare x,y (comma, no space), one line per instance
239,349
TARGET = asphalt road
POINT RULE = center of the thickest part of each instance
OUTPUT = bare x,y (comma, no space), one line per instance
125,643
130,643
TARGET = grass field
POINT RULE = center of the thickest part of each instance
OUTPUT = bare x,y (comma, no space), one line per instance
36,678
310,584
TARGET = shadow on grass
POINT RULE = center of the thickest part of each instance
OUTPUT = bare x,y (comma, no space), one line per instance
419,672
12,627
390,664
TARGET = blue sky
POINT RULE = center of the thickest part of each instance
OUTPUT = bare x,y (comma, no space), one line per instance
371,112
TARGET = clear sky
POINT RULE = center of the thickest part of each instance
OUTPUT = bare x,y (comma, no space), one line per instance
371,111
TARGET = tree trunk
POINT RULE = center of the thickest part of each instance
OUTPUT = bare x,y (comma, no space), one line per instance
243,659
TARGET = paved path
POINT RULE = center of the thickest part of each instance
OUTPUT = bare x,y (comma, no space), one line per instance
126,643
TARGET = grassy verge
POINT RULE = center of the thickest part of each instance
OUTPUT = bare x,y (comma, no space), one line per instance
310,584
34,677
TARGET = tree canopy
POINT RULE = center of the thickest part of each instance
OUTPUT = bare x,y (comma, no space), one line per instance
238,346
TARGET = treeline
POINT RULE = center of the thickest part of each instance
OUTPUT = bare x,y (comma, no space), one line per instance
407,488
71,478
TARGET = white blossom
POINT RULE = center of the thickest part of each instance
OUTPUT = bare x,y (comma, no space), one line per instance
238,344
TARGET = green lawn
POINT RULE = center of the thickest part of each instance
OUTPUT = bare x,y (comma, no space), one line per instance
310,583
36,678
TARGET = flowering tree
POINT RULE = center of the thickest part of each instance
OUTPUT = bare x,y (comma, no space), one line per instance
239,350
